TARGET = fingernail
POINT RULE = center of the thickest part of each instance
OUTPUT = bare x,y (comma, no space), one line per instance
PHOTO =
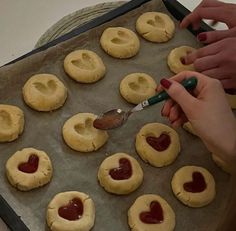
165,83
202,37
182,59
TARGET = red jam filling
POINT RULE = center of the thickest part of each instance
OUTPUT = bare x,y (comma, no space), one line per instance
160,143
197,185
154,216
123,172
72,211
31,166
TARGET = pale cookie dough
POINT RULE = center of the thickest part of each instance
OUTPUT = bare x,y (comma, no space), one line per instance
79,133
120,42
44,92
85,220
84,66
155,27
174,59
193,199
151,155
131,177
26,181
141,208
11,122
137,87
189,128
232,100
220,163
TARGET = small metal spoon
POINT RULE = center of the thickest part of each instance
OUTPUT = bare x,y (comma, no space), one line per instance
117,117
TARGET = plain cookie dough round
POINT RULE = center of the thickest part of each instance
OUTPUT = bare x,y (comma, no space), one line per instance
124,186
142,204
189,128
137,87
198,199
11,122
79,133
120,42
232,100
44,92
84,66
174,59
151,155
220,163
58,223
27,181
155,27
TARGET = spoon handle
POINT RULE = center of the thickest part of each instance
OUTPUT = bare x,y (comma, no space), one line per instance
188,84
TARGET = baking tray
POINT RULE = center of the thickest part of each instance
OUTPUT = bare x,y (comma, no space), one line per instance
31,206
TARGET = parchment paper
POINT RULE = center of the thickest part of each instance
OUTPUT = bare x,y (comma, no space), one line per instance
78,171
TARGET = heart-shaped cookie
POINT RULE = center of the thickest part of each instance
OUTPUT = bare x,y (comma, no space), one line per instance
197,185
72,211
44,92
154,216
31,166
160,143
120,42
123,172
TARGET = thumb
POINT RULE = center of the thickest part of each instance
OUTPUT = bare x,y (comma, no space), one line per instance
179,94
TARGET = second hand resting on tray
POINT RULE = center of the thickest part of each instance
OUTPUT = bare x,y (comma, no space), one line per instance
217,59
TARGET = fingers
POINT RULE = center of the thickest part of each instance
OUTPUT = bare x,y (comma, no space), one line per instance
179,122
178,93
167,107
228,83
174,113
206,10
207,63
214,36
211,49
218,73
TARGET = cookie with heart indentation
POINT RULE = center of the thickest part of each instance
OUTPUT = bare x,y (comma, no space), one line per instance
120,42
11,122
157,144
84,66
80,134
120,174
151,212
176,57
194,186
44,92
137,87
71,211
155,27
28,169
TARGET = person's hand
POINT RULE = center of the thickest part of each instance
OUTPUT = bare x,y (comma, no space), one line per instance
214,10
206,109
217,60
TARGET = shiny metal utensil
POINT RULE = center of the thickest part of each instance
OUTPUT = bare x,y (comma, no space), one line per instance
117,117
